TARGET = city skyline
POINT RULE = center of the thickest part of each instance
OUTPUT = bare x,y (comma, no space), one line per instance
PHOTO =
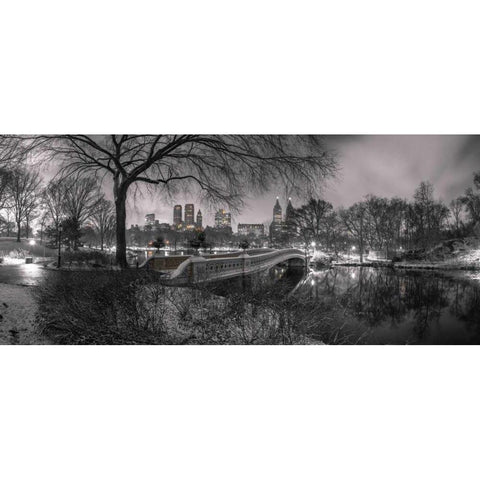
222,218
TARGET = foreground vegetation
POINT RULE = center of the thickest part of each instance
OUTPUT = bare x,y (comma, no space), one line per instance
132,307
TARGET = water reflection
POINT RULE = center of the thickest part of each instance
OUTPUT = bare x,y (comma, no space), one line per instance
400,307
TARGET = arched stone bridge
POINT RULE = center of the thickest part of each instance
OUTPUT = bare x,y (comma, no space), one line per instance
181,270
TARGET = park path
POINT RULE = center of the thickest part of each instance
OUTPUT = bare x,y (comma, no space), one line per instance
17,305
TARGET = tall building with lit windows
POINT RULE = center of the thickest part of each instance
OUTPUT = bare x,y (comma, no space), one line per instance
223,219
282,230
189,214
177,214
277,213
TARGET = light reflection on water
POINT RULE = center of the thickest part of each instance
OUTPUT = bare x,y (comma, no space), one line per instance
401,307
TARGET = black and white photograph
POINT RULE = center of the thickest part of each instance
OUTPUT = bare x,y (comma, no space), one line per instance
240,239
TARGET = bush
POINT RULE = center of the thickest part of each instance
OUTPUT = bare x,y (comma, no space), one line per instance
95,308
132,307
88,256
18,253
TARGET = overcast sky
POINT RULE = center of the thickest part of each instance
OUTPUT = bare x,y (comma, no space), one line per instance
384,165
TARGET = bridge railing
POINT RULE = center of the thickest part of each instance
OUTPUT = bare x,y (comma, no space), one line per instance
200,268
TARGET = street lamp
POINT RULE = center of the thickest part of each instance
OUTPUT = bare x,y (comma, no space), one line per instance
353,249
60,228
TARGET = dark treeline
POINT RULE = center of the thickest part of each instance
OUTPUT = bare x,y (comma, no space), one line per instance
388,225
72,209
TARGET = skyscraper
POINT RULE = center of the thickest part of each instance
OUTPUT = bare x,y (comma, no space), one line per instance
290,228
177,214
276,227
199,219
277,213
223,219
189,214
289,211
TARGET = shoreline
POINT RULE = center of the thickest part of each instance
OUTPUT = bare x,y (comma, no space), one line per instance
410,266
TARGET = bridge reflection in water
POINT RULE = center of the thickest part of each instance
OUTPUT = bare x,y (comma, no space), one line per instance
181,270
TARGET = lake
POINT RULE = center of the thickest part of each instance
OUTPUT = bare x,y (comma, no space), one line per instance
385,306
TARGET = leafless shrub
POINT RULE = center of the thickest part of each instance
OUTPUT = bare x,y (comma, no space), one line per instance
134,307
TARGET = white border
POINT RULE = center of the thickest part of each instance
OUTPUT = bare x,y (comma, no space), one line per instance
252,67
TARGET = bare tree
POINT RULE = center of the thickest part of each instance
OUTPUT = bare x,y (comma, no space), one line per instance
53,201
4,188
31,213
24,189
82,197
311,219
104,220
14,150
456,209
426,216
44,217
223,168
354,220
471,200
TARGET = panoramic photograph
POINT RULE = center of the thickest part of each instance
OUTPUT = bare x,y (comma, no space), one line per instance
239,239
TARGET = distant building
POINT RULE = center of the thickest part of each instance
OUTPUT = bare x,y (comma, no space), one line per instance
276,227
199,219
277,213
256,229
223,219
289,226
289,212
283,230
177,214
189,214
149,219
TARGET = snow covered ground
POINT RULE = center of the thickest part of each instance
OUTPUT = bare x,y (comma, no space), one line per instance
17,316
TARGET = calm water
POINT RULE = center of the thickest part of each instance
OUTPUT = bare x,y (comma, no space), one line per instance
391,307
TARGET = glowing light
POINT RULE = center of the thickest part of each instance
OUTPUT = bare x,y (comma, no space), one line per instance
353,248
353,275
32,242
312,282
313,244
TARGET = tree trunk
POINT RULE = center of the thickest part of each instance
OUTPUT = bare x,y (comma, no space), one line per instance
18,232
120,195
361,241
